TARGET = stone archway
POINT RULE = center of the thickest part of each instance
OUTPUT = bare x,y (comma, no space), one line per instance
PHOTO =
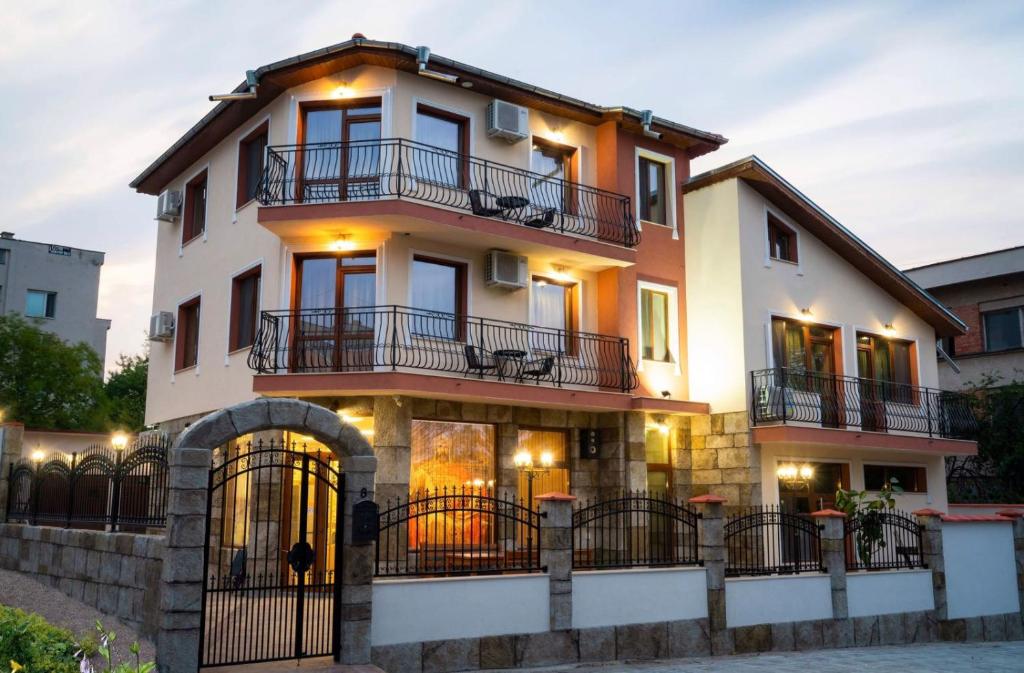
190,462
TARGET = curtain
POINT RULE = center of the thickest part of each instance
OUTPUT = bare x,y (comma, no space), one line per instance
452,455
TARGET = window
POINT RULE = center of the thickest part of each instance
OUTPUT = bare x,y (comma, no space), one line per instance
802,347
452,455
186,348
554,162
438,286
251,153
781,240
657,441
40,304
889,362
1003,329
948,345
539,442
345,164
553,307
194,220
911,479
3,255
245,304
653,196
654,325
447,135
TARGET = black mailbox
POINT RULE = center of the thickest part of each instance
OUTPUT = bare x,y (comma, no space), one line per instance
364,522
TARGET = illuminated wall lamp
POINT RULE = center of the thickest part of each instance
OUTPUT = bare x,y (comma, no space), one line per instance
342,243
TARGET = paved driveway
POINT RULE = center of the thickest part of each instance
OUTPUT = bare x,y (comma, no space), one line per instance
935,658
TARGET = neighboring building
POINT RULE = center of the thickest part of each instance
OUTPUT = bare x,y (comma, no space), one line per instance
463,279
55,286
987,292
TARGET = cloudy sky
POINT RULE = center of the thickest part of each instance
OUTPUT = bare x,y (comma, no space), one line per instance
905,120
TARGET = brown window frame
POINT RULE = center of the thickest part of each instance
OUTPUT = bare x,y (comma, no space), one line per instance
463,123
236,339
920,484
644,188
183,326
775,228
343,180
911,396
189,232
242,197
572,326
569,198
648,328
461,291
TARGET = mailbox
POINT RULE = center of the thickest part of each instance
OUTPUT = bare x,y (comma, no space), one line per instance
364,522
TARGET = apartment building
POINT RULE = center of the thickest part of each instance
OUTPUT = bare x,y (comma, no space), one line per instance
987,292
472,269
55,286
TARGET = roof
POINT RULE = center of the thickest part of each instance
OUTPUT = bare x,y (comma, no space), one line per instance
275,78
812,217
983,266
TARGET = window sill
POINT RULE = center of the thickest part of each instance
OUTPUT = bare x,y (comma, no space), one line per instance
657,224
198,236
241,206
240,349
41,317
186,369
784,261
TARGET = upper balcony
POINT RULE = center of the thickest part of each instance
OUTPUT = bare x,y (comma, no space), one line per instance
396,169
784,396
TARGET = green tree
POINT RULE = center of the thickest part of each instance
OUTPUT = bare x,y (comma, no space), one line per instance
126,391
47,383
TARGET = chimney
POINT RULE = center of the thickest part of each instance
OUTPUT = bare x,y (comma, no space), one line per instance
7,234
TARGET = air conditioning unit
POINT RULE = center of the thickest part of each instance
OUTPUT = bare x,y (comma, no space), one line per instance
503,269
168,205
161,326
508,121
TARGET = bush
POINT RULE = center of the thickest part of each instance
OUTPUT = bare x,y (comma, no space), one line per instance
35,644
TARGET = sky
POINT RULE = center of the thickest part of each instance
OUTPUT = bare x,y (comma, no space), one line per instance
904,120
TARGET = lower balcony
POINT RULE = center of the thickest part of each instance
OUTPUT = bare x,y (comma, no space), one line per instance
790,396
398,338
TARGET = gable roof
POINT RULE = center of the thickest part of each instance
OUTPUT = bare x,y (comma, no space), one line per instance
275,78
845,243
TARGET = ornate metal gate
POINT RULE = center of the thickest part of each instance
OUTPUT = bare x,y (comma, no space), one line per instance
272,584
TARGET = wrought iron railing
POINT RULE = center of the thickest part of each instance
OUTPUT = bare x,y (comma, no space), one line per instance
457,531
370,170
767,540
637,529
365,339
883,540
99,487
784,395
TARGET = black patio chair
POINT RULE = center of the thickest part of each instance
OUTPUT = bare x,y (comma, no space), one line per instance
476,203
539,369
543,220
477,361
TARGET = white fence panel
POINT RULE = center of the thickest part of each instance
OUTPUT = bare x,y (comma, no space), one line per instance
981,573
772,600
888,591
637,596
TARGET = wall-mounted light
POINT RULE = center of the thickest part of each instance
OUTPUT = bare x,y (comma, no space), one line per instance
342,243
889,328
559,274
343,90
795,477
806,313
558,137
666,394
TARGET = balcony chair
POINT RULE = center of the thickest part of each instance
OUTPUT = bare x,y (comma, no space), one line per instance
477,200
538,369
477,361
543,220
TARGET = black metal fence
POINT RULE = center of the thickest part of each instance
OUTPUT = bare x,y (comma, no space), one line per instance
457,531
883,540
124,490
637,529
767,540
784,395
360,339
369,170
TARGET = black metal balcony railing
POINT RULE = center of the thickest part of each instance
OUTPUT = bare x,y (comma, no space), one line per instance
381,337
370,170
790,395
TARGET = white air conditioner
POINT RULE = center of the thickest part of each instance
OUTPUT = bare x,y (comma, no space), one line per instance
168,205
161,326
508,121
503,269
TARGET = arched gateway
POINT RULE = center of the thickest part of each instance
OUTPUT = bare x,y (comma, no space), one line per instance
260,563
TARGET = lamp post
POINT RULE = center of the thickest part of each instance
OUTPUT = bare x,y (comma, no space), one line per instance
524,463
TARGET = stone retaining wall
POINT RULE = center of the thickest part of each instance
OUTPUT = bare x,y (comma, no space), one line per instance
116,573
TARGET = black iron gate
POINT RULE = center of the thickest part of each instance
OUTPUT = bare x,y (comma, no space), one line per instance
272,585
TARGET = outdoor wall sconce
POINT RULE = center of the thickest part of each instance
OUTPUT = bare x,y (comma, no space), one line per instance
666,394
806,313
795,478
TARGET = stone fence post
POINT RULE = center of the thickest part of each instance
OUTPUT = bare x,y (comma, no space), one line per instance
556,555
931,541
712,547
181,596
357,565
11,439
1018,550
833,557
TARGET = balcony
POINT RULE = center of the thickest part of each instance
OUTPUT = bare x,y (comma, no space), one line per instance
399,169
784,396
397,338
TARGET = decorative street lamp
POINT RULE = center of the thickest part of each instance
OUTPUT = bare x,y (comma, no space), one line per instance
524,463
37,457
119,441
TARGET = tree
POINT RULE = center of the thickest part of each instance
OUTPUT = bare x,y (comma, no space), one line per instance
47,383
126,391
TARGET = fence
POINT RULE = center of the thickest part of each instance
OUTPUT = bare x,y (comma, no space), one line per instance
767,540
635,529
360,339
784,394
452,531
883,540
99,487
369,170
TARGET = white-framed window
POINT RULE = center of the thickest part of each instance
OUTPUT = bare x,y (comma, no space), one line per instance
781,239
658,323
655,188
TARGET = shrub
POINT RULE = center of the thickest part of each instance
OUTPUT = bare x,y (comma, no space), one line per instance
32,642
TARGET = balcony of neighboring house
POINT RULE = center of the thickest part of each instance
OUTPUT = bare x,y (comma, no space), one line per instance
401,182
798,405
398,349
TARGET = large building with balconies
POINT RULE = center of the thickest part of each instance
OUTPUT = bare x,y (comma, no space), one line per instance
467,267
